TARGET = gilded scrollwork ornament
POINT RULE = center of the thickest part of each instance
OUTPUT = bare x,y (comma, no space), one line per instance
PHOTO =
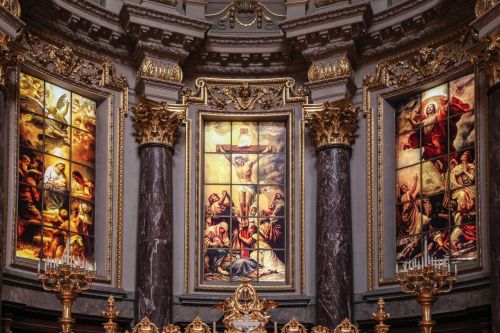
332,122
12,6
145,326
158,122
245,95
380,317
197,326
346,327
320,329
171,328
293,326
483,6
485,53
327,70
110,314
11,55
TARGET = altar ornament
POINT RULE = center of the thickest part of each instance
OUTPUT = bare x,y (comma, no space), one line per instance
346,327
425,279
197,326
67,278
380,316
171,328
320,329
145,326
293,326
110,314
245,311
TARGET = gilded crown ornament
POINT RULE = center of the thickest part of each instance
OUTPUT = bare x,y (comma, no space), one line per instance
158,122
380,317
332,123
293,326
346,327
145,326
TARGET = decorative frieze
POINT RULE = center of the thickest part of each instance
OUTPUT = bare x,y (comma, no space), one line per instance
332,122
158,122
161,71
327,70
245,95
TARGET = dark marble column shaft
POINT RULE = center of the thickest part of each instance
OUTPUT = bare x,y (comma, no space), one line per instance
334,238
155,229
3,179
494,201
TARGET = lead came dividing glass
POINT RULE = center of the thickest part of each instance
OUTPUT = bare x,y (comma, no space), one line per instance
244,201
56,172
436,173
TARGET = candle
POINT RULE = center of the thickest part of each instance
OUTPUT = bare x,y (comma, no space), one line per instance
455,268
396,268
275,327
95,266
38,271
214,329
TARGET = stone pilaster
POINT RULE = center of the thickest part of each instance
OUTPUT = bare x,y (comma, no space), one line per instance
332,128
156,127
494,201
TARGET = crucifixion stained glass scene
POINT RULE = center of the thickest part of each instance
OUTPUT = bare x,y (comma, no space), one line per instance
245,201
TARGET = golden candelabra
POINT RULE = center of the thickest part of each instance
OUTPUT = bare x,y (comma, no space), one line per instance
426,279
110,314
380,316
66,278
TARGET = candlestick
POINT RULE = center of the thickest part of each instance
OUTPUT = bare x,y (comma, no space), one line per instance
425,284
68,282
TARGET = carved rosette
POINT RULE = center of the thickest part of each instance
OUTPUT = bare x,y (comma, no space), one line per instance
158,122
328,70
332,123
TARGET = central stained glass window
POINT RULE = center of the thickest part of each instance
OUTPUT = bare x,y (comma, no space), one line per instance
245,202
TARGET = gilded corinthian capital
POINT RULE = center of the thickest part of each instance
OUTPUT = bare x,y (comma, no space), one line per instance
158,122
332,122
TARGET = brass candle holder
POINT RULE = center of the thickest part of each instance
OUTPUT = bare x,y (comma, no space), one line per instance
110,314
425,280
67,279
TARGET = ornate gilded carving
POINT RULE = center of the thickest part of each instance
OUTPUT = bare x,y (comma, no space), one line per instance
10,57
380,316
110,314
245,95
346,327
483,5
327,70
246,306
12,6
197,326
161,71
246,13
145,326
158,122
332,123
293,326
171,328
484,53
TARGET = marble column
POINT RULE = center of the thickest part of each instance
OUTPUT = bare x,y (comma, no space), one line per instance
332,128
156,127
494,201
3,185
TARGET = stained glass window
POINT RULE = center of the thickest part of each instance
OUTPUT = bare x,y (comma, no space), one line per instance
436,173
56,172
245,201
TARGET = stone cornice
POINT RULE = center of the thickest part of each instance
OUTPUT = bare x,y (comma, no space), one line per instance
396,10
130,11
92,9
361,10
13,24
490,15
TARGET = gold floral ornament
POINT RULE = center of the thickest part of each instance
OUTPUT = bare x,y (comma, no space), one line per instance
12,6
380,316
197,326
171,328
110,314
332,123
245,309
328,70
158,122
11,55
145,326
157,70
293,326
346,327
